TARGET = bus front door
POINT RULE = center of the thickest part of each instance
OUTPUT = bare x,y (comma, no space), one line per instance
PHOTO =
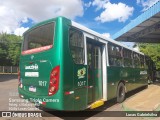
94,61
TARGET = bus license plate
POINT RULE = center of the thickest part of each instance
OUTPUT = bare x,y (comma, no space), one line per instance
32,89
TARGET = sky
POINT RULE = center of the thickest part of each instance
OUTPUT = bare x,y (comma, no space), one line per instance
103,16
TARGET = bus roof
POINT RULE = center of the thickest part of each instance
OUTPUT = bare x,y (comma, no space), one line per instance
85,29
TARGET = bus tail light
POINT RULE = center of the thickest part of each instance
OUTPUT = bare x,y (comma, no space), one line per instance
54,81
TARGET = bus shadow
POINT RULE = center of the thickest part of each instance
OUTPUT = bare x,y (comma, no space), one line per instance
81,115
133,92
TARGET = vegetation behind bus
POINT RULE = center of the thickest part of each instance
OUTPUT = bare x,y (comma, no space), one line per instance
153,51
10,48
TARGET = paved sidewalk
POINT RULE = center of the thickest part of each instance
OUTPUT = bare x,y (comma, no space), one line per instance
146,100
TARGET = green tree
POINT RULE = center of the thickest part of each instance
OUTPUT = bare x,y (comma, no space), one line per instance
9,49
152,50
3,50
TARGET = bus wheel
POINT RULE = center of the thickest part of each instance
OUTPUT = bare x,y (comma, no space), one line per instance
120,92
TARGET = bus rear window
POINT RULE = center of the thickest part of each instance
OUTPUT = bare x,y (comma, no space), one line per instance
40,37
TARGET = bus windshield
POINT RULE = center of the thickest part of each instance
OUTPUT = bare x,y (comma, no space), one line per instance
38,39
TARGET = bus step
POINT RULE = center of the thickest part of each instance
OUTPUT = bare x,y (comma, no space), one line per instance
97,104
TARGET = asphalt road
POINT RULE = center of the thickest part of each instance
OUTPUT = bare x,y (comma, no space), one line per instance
9,101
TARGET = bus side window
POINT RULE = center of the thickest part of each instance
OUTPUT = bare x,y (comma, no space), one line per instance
142,61
127,55
136,60
76,45
115,56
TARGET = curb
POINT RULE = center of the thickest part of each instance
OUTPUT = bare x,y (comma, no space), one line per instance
8,73
126,108
158,108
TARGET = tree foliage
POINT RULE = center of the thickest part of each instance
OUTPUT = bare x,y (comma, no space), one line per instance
10,47
152,50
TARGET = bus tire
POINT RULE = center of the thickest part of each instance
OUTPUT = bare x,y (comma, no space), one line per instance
120,92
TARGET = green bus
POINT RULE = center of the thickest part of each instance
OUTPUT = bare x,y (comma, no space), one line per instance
66,66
